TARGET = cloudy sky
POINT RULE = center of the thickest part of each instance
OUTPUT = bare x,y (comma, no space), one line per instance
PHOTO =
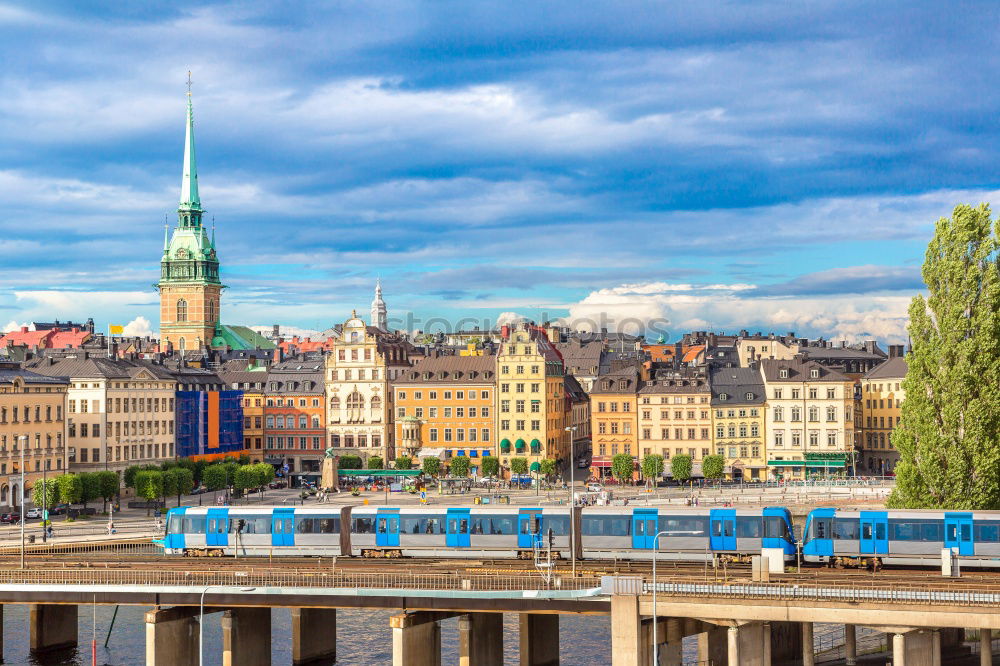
770,166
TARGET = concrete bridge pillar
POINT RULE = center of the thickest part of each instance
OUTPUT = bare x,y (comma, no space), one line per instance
646,640
786,642
916,648
626,631
416,638
670,652
850,645
480,639
314,636
171,637
808,647
746,644
539,635
52,626
985,647
246,637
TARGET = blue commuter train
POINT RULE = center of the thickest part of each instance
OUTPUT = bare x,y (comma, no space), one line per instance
481,531
841,537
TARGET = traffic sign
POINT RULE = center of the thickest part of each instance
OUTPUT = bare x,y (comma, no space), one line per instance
45,514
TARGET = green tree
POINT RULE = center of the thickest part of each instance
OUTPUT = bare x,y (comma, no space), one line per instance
91,487
432,466
404,462
70,488
214,478
108,488
375,462
168,484
460,466
349,462
491,466
547,467
245,478
713,467
680,467
949,437
181,481
149,485
264,473
518,465
622,466
652,467
45,493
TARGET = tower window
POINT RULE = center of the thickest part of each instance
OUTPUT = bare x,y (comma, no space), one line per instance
182,310
210,311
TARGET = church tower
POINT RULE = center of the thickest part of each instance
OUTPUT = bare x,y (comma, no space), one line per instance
379,318
189,270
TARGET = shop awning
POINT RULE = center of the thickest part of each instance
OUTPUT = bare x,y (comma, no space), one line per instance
600,463
812,464
534,467
378,472
505,444
519,444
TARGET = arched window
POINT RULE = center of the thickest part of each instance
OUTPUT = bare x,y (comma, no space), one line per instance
355,406
180,344
315,422
182,310
210,311
334,409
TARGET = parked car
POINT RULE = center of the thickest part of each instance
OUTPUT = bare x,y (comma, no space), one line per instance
11,518
199,490
594,488
33,513
276,484
59,509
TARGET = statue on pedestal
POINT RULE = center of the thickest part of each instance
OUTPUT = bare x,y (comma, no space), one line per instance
329,479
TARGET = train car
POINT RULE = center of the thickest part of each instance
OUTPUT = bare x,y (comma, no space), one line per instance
910,537
257,531
685,533
501,532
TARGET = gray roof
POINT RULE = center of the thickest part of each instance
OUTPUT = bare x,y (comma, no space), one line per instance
622,381
450,370
894,368
7,376
735,384
677,380
84,365
799,371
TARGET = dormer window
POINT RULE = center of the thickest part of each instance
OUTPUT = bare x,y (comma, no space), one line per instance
723,396
783,373
749,396
814,373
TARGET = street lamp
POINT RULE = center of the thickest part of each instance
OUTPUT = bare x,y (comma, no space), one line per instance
572,497
24,443
656,645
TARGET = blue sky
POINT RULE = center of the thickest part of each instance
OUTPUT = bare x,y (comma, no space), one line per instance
769,166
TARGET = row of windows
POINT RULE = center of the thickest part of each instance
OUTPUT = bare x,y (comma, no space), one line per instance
905,529
880,421
814,438
354,355
293,442
133,452
613,427
460,434
878,440
746,527
677,400
678,414
813,411
519,424
38,440
519,369
431,524
519,388
744,451
730,431
458,395
24,414
286,402
459,412
361,374
679,433
122,405
881,387
742,413
831,393
361,440
290,421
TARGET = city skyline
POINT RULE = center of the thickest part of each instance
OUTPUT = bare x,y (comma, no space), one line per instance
483,169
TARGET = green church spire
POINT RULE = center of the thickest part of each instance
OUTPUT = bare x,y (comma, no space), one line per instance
190,201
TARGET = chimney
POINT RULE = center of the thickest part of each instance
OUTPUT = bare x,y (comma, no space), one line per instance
843,344
870,346
24,329
275,331
277,354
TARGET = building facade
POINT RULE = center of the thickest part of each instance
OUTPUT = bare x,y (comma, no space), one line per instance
738,424
250,379
614,419
444,408
295,417
32,406
530,403
675,416
209,415
810,421
363,361
881,404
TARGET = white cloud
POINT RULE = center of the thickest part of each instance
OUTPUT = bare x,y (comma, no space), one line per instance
510,318
14,326
288,331
140,326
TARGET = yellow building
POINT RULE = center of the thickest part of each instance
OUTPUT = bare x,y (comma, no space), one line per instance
614,425
530,405
249,377
881,401
738,422
675,416
444,408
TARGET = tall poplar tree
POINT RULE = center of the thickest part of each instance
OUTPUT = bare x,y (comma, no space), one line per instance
949,438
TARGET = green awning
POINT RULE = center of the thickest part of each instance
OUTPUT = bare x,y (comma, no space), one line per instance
812,464
535,444
505,443
519,444
378,472
534,467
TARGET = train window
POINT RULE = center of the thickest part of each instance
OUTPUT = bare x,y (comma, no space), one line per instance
640,527
463,526
748,527
211,526
328,525
987,533
966,532
866,530
433,526
950,529
678,526
775,527
175,525
717,528
932,531
381,525
499,525
410,524
905,531
364,526
880,530
558,524
822,529
288,526
845,528
606,526
728,527
194,525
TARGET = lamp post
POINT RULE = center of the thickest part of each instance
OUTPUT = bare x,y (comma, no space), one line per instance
656,645
572,497
24,443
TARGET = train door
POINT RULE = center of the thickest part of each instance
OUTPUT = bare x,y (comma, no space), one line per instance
217,527
526,537
458,528
958,533
874,533
175,529
723,524
644,528
387,528
283,527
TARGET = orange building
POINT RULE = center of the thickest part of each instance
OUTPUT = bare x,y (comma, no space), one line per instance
614,425
444,408
295,417
665,353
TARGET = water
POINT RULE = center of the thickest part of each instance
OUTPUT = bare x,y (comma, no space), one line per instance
363,637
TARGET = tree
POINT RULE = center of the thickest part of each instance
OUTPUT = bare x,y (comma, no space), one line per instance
45,492
168,484
149,485
349,462
432,466
652,467
375,462
622,466
518,466
107,486
264,473
680,467
245,478
214,478
181,481
490,466
949,436
70,488
713,467
547,467
460,466
404,462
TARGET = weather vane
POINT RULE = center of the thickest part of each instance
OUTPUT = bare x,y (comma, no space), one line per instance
189,83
